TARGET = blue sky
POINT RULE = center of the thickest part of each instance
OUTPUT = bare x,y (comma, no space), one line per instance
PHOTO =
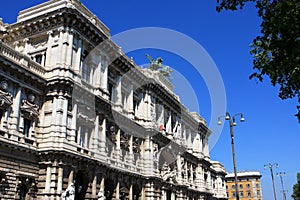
270,133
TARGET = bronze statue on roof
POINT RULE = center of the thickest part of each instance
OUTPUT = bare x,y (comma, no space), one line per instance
156,65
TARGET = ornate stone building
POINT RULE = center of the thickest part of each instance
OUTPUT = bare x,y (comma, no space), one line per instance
249,185
74,109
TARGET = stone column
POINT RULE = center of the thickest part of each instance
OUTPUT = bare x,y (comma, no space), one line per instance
54,107
160,120
96,134
54,172
169,124
69,48
189,140
186,173
103,136
173,195
71,176
118,144
192,175
74,121
130,192
118,190
79,136
148,156
146,106
78,57
64,48
48,178
118,95
64,116
4,122
163,195
197,179
200,145
49,49
102,185
43,62
27,45
94,186
61,46
104,75
184,133
206,148
131,145
178,162
86,138
15,111
60,178
97,74
130,102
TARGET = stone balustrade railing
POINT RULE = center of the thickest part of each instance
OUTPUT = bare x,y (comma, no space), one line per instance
22,60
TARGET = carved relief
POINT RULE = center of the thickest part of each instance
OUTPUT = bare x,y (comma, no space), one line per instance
29,108
167,174
6,98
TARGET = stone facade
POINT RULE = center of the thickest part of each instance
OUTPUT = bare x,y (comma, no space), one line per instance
75,111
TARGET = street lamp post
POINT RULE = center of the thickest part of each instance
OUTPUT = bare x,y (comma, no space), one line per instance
232,123
281,180
272,176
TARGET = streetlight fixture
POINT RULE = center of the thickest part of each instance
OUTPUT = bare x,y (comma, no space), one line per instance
281,180
272,176
232,123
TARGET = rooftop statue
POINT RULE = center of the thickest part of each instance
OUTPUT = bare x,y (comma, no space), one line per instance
156,65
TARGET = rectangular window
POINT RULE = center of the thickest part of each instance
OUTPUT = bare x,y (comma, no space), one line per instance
258,192
248,194
26,127
248,185
38,58
241,186
233,195
241,194
233,186
110,90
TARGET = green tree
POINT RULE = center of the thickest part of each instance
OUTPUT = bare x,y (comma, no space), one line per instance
296,188
276,52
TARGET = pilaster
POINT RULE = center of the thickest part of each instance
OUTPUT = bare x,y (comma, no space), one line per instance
15,111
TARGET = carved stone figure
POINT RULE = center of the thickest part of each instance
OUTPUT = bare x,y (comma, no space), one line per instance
167,174
101,196
69,194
